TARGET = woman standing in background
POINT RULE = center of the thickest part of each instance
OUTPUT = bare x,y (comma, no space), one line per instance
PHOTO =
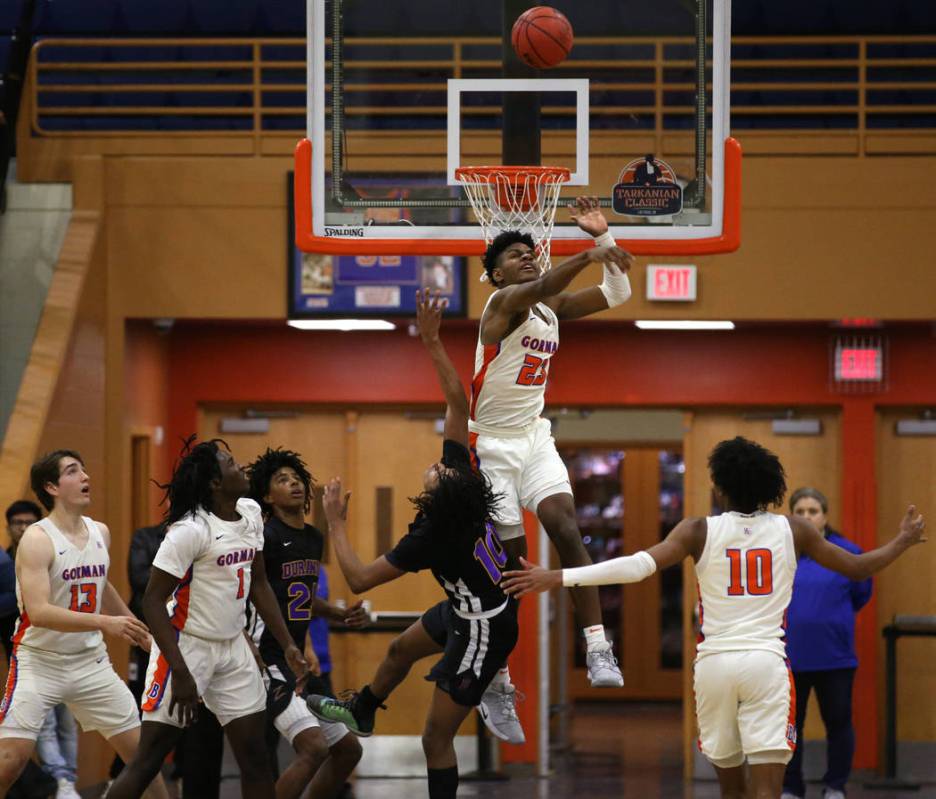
820,644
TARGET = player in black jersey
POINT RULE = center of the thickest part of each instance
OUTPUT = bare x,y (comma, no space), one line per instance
326,753
452,535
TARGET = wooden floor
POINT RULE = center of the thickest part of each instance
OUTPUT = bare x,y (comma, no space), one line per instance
619,751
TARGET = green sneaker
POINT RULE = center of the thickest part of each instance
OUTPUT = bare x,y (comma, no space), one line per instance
345,711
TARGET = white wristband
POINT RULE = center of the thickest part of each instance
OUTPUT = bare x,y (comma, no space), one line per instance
604,240
629,569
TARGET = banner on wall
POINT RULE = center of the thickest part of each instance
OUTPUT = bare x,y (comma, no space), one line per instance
370,285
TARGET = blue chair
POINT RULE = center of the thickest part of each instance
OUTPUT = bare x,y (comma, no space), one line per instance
10,11
86,17
155,16
225,17
282,17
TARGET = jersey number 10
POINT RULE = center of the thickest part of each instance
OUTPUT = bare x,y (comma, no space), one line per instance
490,551
752,574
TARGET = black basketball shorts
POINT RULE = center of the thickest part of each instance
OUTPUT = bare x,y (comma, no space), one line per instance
474,649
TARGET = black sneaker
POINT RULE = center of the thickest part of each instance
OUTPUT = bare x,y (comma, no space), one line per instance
347,711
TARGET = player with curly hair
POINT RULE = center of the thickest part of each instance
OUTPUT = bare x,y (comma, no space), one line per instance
207,567
745,559
326,753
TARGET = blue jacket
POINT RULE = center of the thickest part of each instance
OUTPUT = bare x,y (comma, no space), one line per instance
318,627
821,617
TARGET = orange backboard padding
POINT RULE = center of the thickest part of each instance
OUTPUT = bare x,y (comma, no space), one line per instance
728,241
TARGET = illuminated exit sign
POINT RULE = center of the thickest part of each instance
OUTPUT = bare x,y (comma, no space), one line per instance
671,282
859,364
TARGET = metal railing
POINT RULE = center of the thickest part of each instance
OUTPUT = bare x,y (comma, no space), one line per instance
256,87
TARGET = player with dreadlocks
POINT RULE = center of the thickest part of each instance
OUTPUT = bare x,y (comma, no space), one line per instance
452,535
326,753
208,565
745,560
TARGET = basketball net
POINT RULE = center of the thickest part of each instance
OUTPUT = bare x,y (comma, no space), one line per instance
520,198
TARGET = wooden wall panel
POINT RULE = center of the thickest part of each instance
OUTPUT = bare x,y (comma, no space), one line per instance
175,224
908,474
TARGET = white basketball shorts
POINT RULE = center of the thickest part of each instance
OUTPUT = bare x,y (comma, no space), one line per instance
745,707
85,682
524,469
227,676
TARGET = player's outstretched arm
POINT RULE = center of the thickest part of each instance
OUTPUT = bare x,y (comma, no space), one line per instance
615,287
682,542
264,600
33,558
809,541
428,319
360,576
520,296
352,616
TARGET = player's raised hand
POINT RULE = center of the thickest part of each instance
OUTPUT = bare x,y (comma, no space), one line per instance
336,507
429,310
532,579
586,213
613,257
912,527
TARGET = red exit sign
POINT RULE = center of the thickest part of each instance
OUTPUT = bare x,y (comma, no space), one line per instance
671,283
859,363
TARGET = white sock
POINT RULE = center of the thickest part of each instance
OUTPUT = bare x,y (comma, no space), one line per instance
595,637
502,678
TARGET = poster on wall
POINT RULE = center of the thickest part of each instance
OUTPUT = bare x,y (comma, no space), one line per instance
322,286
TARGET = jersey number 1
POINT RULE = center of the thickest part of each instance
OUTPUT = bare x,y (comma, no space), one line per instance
752,574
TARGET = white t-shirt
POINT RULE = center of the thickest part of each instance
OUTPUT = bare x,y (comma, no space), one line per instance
745,582
213,559
77,579
509,385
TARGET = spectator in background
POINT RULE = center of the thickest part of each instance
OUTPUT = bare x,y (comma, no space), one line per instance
820,644
19,516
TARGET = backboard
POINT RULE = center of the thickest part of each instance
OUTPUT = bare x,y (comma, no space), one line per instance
638,112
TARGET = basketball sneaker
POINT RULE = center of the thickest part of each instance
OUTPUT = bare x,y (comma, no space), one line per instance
353,710
603,669
499,713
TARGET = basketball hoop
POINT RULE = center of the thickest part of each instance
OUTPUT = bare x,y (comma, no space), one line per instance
520,198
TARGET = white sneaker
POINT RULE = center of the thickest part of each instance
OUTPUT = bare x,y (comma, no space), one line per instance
499,713
603,670
832,793
66,790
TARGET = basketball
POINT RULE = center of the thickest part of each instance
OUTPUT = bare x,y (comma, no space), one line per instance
542,37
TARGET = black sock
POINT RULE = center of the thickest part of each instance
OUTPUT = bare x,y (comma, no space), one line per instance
443,782
368,701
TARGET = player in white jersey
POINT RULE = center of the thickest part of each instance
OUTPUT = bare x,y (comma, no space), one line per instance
513,446
208,565
66,603
745,561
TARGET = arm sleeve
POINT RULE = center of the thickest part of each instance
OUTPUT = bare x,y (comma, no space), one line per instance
185,541
7,586
411,554
629,569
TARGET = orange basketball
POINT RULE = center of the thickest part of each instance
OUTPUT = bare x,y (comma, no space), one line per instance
542,37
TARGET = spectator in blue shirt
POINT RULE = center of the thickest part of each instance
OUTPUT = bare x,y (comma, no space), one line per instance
318,637
820,644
